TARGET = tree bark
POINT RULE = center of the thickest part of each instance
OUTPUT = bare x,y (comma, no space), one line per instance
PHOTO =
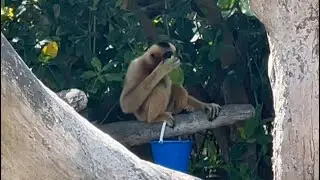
293,70
42,137
133,133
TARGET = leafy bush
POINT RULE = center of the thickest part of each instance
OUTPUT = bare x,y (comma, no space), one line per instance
88,44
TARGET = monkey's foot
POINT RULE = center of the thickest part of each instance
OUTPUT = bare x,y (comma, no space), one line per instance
212,110
170,120
167,116
170,123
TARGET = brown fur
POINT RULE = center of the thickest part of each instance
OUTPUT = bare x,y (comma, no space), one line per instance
149,94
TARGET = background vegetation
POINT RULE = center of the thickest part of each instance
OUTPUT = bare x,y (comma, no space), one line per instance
88,44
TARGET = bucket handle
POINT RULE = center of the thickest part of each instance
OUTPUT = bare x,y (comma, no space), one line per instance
162,131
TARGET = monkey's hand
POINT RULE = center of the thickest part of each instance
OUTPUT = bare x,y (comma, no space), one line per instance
169,64
212,110
172,59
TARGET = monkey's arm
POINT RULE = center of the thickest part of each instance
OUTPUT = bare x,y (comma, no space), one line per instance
133,97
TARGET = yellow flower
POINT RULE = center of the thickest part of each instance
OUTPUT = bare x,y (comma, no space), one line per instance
51,49
8,12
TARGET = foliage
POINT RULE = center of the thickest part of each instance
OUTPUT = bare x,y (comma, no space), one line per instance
210,158
88,44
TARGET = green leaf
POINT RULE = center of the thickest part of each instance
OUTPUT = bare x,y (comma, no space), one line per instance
92,8
119,3
245,7
101,79
108,66
44,58
128,56
88,74
264,139
242,133
79,46
226,4
95,62
214,53
244,168
253,123
250,127
114,34
113,77
237,150
251,141
228,13
92,87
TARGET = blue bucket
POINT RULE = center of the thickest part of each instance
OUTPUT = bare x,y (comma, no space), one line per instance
173,154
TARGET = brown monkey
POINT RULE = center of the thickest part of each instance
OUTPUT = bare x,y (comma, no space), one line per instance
148,92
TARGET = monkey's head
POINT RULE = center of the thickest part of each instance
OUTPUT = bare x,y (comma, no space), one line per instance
160,51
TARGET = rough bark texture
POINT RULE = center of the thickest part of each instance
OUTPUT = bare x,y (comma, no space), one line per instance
293,70
42,137
133,133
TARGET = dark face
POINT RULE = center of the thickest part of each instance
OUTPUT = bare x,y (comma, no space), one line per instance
163,54
160,52
168,51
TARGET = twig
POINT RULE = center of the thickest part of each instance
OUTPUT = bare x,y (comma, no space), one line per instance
110,110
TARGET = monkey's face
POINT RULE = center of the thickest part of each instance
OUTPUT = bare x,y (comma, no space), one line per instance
161,51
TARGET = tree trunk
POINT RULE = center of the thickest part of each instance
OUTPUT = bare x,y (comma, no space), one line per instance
44,138
293,70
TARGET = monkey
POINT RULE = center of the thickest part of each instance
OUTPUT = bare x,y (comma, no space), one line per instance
149,93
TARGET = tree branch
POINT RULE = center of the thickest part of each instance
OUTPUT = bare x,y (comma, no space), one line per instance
42,137
133,133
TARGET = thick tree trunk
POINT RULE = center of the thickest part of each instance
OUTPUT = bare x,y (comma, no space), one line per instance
44,138
294,73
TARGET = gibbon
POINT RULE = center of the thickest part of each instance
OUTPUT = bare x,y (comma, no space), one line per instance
150,95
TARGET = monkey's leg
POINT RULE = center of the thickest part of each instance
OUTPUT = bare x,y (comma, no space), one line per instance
183,101
159,100
154,108
178,100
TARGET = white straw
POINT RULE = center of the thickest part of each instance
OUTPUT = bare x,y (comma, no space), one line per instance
162,131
